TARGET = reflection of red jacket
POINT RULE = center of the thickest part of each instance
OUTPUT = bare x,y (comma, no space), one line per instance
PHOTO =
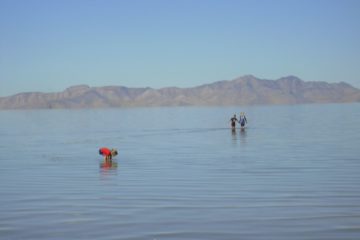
106,164
105,151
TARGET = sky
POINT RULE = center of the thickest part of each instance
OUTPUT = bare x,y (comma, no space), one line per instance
49,45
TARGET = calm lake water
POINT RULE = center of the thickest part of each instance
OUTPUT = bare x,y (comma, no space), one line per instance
181,173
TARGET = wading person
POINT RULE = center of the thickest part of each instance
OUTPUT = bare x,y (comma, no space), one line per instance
107,153
233,121
242,120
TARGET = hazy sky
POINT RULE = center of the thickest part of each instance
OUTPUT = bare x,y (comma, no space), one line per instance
48,45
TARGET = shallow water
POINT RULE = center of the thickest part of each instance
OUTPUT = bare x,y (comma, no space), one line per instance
181,173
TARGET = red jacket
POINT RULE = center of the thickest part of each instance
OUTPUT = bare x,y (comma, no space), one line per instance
105,151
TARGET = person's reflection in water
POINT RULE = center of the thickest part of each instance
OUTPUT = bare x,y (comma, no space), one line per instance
108,164
108,168
243,135
233,135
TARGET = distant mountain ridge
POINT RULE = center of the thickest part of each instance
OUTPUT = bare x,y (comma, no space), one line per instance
246,90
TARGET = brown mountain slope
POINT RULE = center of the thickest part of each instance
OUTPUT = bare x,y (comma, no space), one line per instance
246,90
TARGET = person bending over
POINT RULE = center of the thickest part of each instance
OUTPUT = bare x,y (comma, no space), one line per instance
107,153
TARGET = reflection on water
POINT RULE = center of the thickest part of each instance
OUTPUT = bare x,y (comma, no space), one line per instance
233,135
243,134
108,164
108,167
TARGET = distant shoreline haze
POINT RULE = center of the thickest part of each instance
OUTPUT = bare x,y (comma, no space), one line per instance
245,90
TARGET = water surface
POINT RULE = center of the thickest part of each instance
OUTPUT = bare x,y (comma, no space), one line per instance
181,173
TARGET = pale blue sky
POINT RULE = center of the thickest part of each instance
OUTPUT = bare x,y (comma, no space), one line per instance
48,45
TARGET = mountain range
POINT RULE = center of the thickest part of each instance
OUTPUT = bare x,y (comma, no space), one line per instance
246,90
